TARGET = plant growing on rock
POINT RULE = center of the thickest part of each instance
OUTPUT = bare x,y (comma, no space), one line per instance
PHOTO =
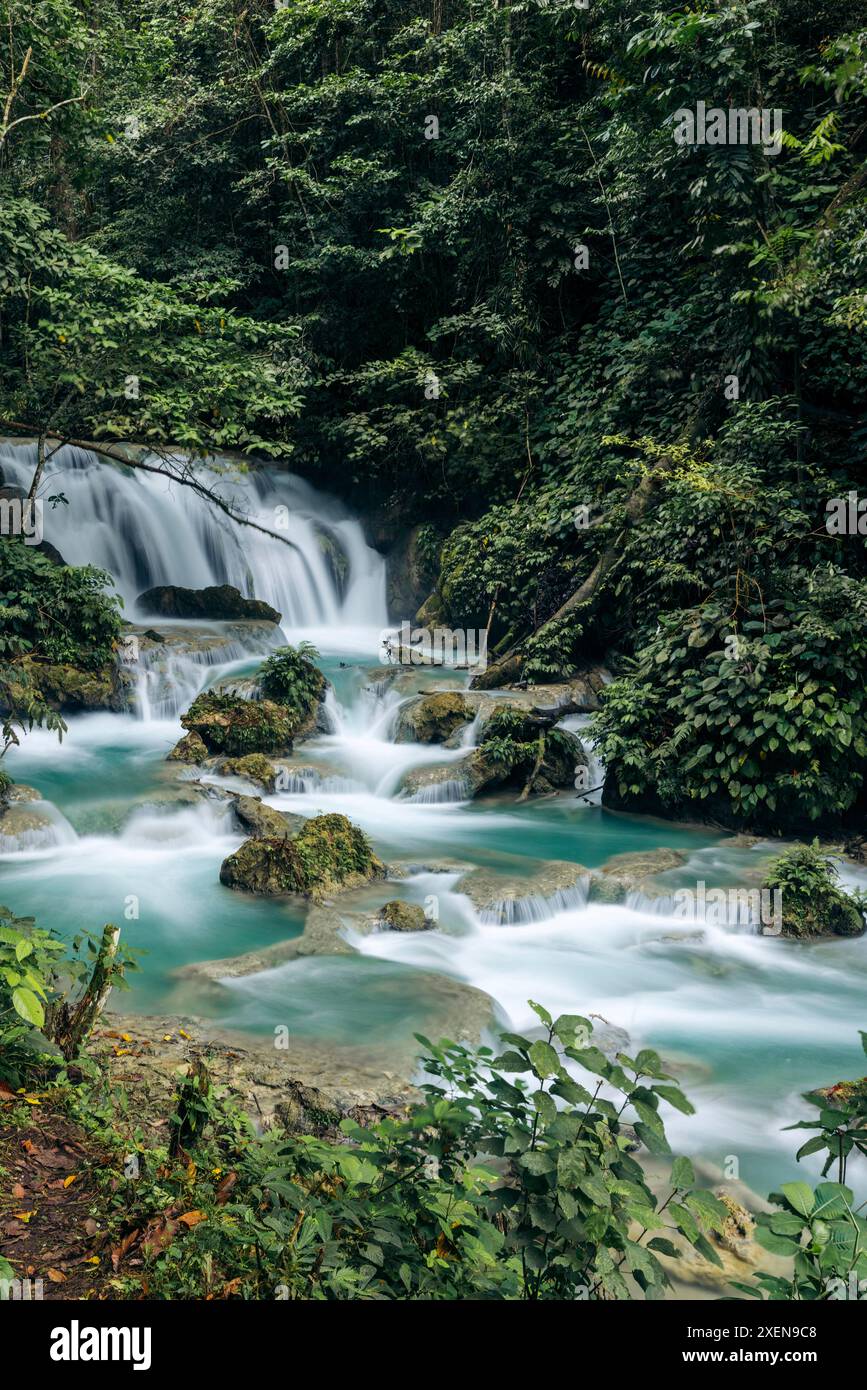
813,903
290,678
327,853
519,747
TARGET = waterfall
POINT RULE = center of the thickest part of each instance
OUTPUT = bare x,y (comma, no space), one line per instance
146,530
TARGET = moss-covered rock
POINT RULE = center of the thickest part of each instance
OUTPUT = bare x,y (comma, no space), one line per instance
521,749
404,916
229,724
68,689
254,767
190,749
328,853
264,822
433,718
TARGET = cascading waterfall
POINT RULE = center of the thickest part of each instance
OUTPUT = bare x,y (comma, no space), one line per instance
146,530
715,992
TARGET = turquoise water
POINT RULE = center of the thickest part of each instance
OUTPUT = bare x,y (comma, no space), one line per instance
748,1021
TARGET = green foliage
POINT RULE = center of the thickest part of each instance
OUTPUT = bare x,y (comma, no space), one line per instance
821,1229
55,613
813,903
514,741
290,678
758,718
39,972
511,1180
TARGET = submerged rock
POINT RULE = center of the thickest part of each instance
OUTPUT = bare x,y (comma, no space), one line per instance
327,854
219,601
400,916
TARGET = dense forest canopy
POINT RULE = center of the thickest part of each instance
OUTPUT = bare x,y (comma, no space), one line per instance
458,262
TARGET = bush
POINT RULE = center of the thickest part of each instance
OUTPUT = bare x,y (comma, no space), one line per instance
55,613
290,678
756,721
813,903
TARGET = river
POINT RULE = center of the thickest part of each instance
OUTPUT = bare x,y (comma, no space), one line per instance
750,1021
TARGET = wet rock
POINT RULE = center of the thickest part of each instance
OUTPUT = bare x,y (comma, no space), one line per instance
327,854
26,821
254,767
69,689
400,916
228,724
220,601
635,872
532,894
190,749
433,718
264,822
523,750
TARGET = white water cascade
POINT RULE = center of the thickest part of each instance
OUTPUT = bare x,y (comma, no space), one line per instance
146,530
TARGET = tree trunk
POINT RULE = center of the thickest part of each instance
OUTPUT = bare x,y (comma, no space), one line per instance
40,469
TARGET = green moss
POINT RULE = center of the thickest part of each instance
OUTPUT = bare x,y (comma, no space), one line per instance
435,718
255,767
189,749
403,916
229,724
329,852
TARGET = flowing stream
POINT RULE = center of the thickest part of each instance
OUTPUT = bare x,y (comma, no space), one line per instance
748,1021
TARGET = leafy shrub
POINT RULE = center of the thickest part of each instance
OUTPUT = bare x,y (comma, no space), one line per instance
813,903
39,974
55,613
760,721
511,1180
289,677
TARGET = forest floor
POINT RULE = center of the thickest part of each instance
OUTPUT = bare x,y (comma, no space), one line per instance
48,1195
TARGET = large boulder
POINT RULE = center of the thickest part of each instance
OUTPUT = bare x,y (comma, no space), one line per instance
327,854
219,601
433,718
229,724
